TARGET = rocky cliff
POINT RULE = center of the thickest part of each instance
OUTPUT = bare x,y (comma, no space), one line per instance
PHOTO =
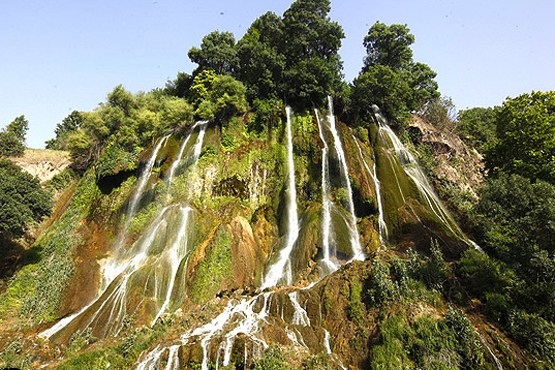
315,238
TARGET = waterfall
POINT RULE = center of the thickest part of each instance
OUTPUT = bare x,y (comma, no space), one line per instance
382,226
358,254
495,359
282,267
177,160
416,174
142,265
143,180
326,202
247,317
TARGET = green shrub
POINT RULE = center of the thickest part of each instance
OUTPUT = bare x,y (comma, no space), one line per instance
273,359
381,288
469,345
535,333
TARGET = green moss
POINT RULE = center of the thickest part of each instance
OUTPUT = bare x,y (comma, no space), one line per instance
214,269
356,306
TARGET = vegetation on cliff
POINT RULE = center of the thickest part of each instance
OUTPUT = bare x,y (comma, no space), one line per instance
423,298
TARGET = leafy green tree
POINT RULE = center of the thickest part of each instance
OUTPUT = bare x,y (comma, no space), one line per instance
478,127
525,137
390,78
515,223
22,200
217,52
12,138
313,65
388,46
384,87
69,124
180,86
217,97
261,61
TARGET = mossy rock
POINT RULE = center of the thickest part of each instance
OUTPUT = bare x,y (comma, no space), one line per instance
309,239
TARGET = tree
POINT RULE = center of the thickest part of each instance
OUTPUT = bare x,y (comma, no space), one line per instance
515,223
22,200
313,65
389,77
69,124
384,87
180,86
525,137
261,61
12,138
216,52
388,46
477,126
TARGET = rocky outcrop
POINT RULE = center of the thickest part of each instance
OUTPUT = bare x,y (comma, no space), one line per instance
43,163
457,164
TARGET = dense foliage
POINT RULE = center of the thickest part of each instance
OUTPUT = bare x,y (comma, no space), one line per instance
63,129
294,57
526,137
478,127
390,78
22,200
12,138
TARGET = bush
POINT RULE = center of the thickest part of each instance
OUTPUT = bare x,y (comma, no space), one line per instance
534,332
381,288
273,360
22,200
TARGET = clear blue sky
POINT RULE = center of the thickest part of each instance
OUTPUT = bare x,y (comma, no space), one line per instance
61,55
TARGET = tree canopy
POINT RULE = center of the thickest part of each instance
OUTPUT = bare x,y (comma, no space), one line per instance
525,137
217,52
388,46
12,138
71,123
390,78
22,200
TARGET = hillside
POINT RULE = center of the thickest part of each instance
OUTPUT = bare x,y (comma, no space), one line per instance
262,213
43,163
205,240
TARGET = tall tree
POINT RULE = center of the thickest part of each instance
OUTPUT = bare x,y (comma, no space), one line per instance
313,65
390,77
388,46
69,124
261,61
22,200
217,52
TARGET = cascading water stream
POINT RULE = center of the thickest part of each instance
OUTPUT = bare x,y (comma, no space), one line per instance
358,254
382,226
178,249
138,265
282,268
415,172
143,180
326,202
177,161
244,316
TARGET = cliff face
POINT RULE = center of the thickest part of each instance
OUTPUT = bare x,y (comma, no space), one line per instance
227,241
456,164
43,163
